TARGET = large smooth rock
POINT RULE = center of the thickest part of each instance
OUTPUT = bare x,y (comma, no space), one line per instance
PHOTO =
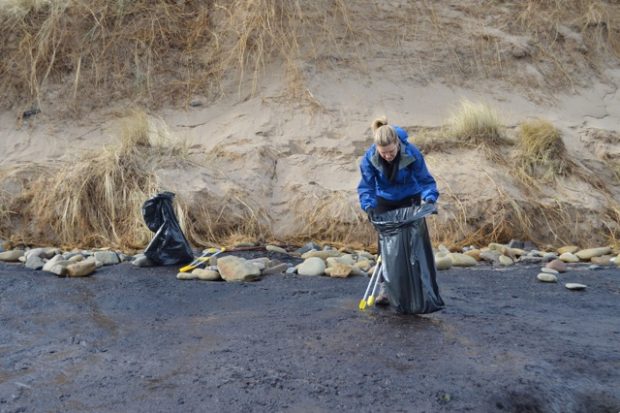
549,270
82,268
311,266
462,260
11,256
107,257
236,269
546,277
592,252
575,286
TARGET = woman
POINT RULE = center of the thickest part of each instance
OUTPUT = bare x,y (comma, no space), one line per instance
394,175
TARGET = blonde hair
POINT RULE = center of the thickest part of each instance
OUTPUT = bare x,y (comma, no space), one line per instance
383,134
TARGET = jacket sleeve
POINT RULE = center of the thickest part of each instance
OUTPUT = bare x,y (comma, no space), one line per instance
424,178
366,189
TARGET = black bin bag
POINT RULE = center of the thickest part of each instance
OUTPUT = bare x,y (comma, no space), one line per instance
407,256
168,246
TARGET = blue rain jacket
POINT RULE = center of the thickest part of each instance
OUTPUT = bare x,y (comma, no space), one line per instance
412,177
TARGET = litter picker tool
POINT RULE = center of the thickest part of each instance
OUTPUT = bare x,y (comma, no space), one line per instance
205,257
372,284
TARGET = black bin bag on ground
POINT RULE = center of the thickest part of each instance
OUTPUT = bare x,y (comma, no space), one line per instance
168,246
408,263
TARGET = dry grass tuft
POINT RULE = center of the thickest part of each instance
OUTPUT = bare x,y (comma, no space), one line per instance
225,221
154,51
331,216
477,124
541,151
96,200
478,222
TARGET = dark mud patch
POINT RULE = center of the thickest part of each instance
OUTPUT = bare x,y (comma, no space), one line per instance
131,339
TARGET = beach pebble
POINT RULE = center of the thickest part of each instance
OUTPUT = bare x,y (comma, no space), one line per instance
602,260
505,261
344,259
82,268
365,255
575,286
568,257
490,256
57,265
462,260
276,269
443,263
187,276
310,246
474,253
275,248
547,277
46,253
559,266
530,259
592,252
206,275
142,260
339,270
107,257
34,262
124,257
571,249
76,258
549,270
363,264
321,254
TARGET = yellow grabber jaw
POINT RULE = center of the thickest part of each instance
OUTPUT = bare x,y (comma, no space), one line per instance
203,258
362,305
371,300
